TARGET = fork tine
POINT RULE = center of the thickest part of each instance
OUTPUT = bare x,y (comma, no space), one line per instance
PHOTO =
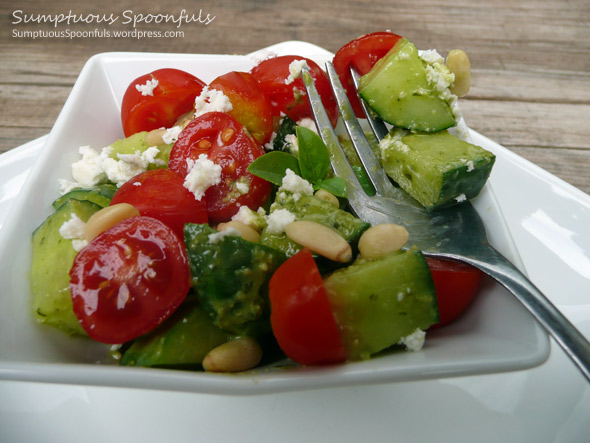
337,156
375,172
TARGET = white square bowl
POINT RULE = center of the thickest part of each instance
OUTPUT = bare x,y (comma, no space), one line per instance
497,334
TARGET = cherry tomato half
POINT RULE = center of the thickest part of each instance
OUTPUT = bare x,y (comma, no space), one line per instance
129,279
361,53
225,142
160,193
301,315
173,96
456,285
291,97
250,106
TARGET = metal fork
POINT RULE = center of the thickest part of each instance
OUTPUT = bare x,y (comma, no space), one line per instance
455,233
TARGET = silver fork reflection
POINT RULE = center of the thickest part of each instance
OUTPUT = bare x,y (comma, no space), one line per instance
455,233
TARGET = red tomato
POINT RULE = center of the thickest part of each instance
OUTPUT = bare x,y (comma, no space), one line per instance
173,96
225,142
301,315
456,285
250,106
160,194
272,74
361,53
129,279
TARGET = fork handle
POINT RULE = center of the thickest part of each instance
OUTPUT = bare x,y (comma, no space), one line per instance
575,345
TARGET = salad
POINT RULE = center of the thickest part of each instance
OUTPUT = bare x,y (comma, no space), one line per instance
215,236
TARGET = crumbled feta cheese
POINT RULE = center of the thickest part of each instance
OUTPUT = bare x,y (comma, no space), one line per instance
136,183
431,56
171,134
203,173
88,171
295,184
212,100
251,218
308,123
415,341
129,165
66,186
278,220
148,88
269,146
219,236
470,166
293,145
461,198
242,187
295,68
73,229
262,55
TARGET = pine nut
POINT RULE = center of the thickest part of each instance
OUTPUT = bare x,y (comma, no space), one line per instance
458,63
154,137
107,218
184,119
322,194
234,356
320,239
383,239
246,232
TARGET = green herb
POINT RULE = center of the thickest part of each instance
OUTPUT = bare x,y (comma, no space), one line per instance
273,166
335,185
314,158
288,127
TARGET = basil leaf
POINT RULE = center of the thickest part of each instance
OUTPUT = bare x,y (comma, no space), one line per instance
314,159
335,185
272,166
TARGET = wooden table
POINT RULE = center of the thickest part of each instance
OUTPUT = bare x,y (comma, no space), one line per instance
530,58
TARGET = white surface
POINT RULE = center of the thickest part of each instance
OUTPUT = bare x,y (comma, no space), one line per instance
547,403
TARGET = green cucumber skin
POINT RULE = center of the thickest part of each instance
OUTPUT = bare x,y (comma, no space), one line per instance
231,278
52,258
436,169
378,302
100,194
397,89
182,341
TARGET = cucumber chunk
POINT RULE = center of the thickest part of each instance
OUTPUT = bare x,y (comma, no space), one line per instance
52,259
435,169
378,302
101,195
182,341
230,276
399,90
136,142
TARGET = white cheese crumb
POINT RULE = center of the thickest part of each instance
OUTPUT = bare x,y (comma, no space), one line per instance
88,171
269,146
295,184
415,341
242,187
278,220
148,88
262,55
171,134
431,56
461,198
219,236
291,141
203,173
470,166
129,165
73,229
136,183
250,218
308,123
211,100
295,68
